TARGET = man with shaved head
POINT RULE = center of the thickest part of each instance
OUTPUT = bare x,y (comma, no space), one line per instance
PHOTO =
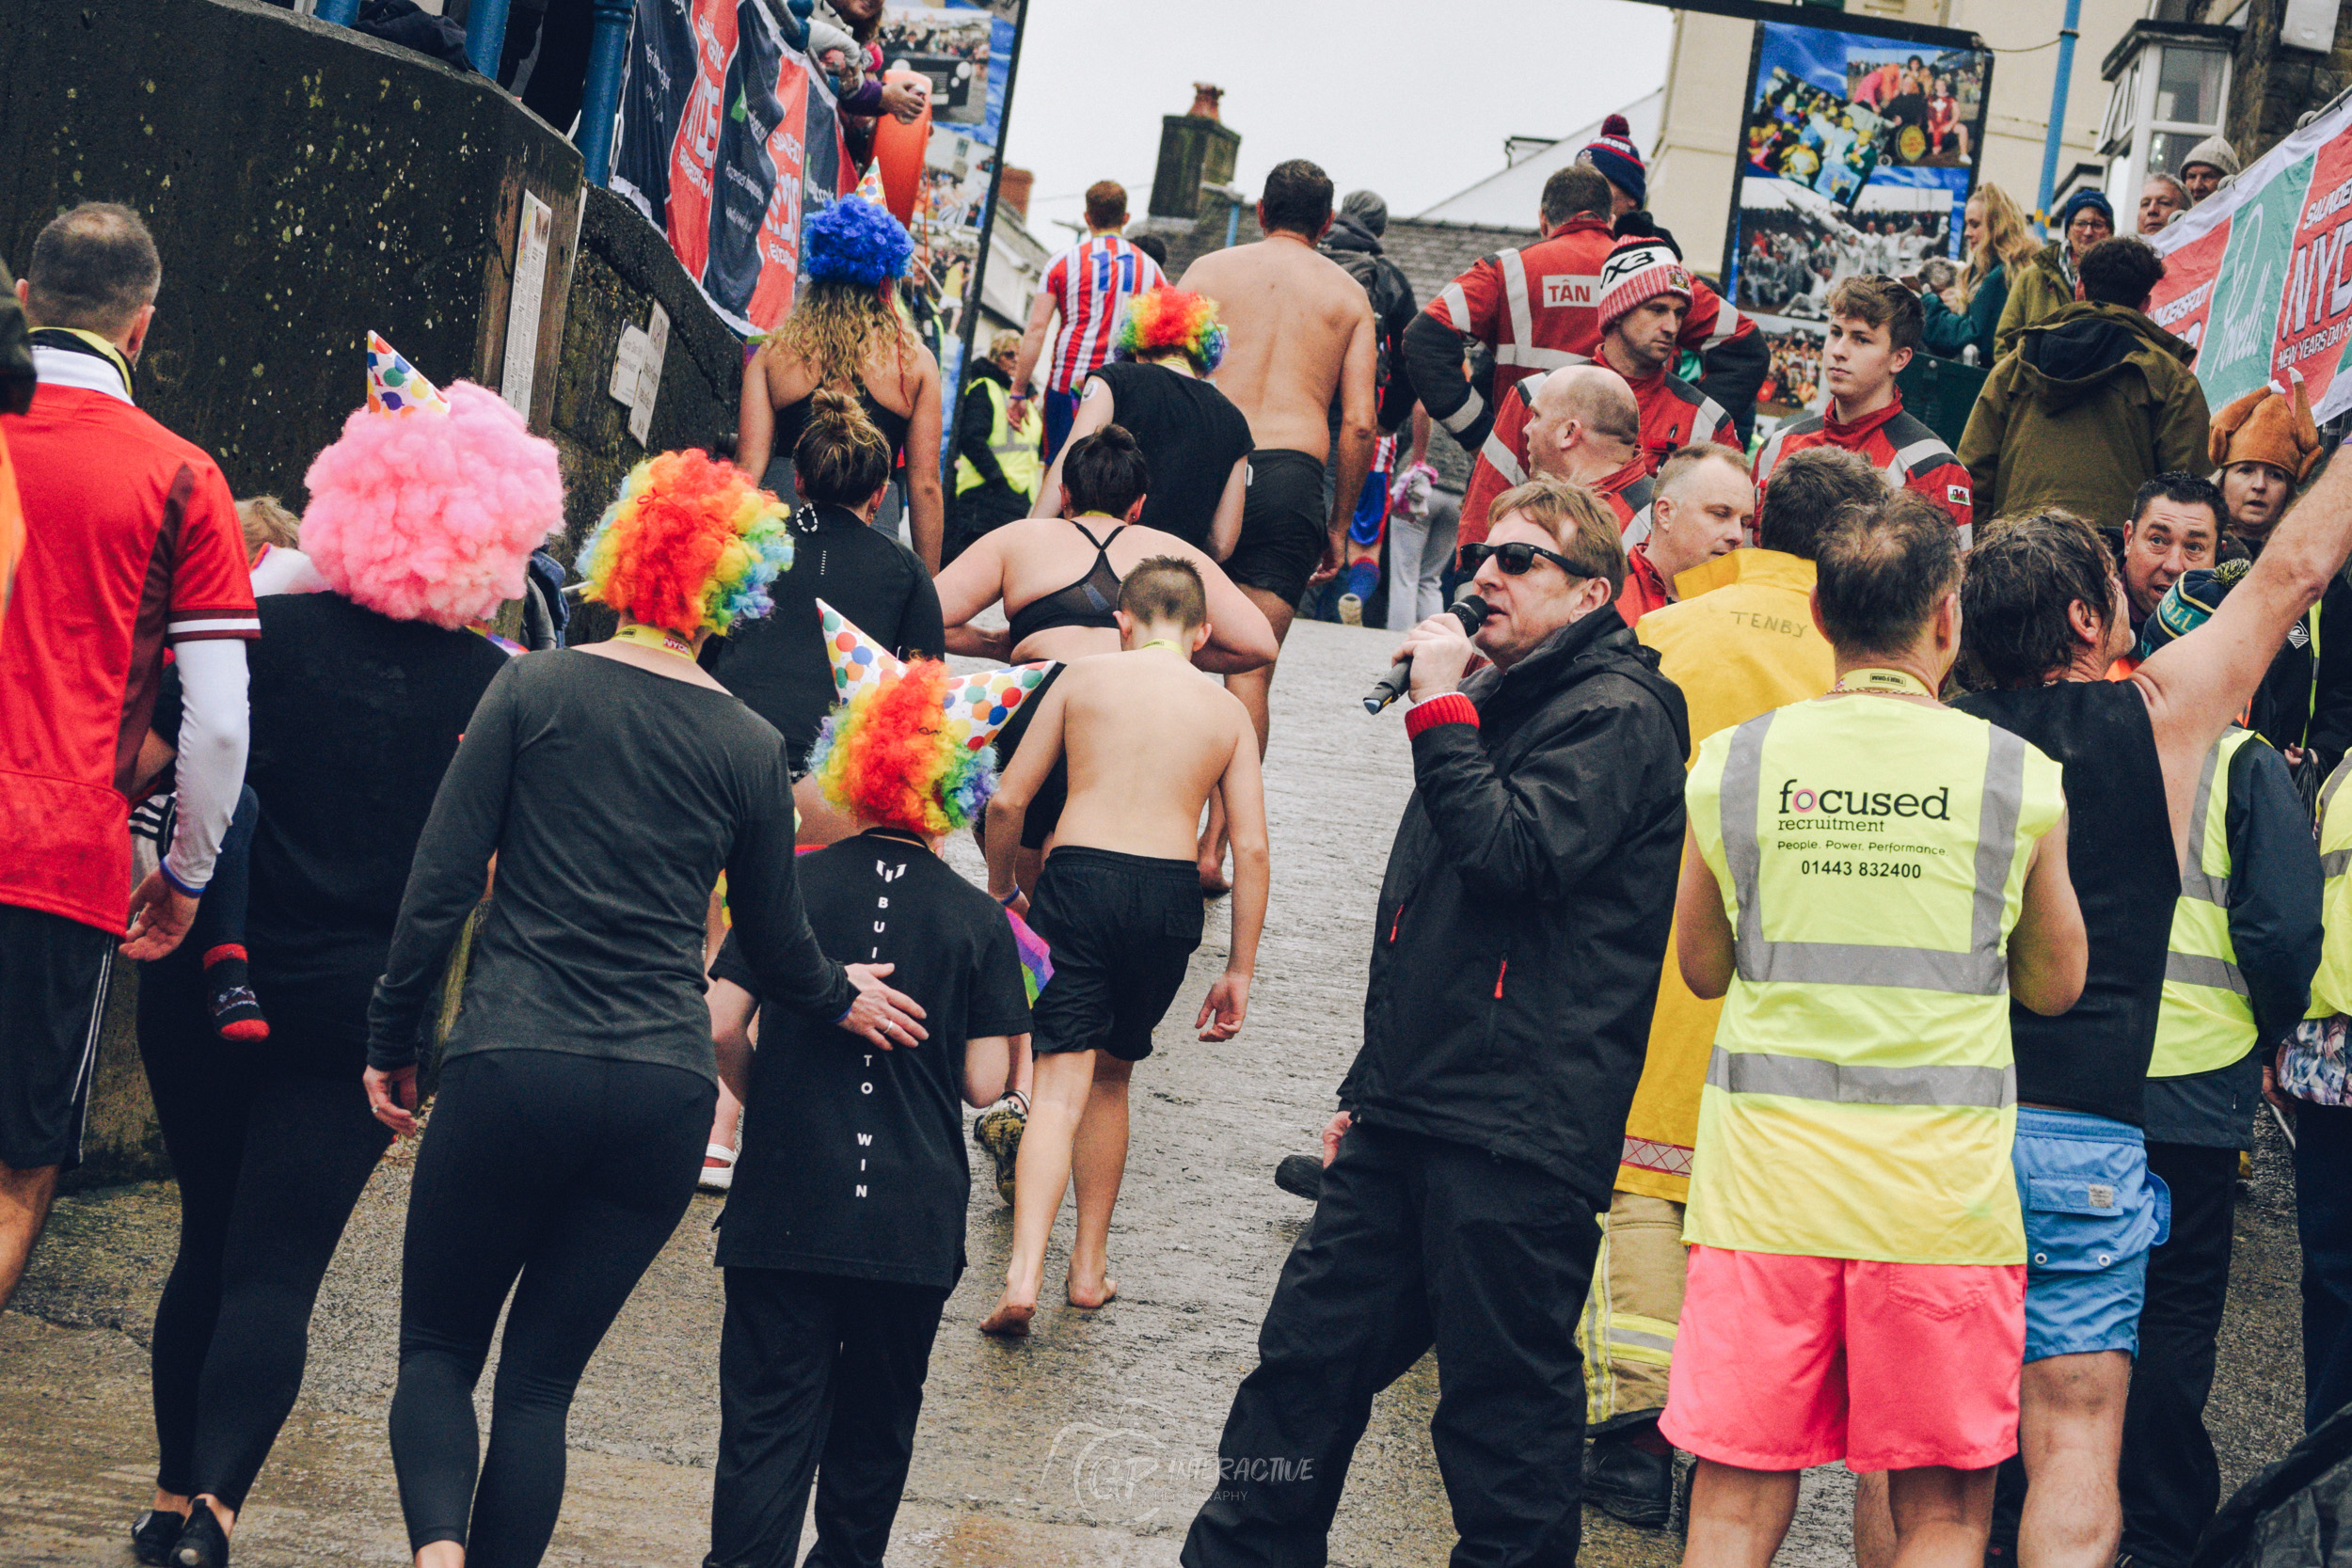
1582,424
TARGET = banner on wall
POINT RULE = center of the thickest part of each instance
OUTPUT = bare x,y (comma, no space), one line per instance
2257,276
729,139
1858,154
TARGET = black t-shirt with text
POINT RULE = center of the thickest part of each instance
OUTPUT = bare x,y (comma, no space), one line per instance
853,1160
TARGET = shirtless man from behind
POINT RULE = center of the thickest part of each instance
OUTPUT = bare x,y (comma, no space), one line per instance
1299,333
1149,740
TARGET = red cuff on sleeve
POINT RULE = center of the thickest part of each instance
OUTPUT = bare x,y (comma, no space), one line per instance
1452,709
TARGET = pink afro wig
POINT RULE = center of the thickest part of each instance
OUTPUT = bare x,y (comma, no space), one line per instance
425,516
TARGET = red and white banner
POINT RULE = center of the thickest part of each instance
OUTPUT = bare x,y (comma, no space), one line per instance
2259,274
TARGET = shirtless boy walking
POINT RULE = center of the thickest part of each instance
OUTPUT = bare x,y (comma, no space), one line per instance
1299,333
1149,740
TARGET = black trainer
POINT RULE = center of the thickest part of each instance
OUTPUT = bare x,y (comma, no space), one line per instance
1301,1175
153,1534
1628,1482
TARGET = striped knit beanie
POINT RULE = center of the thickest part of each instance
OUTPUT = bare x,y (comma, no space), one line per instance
1619,161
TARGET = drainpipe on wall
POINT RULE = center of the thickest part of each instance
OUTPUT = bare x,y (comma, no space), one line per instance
2067,35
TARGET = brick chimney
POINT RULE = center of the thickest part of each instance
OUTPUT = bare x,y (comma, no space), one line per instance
1012,189
1196,148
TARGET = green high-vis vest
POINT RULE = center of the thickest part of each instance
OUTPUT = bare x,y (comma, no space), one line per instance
1016,452
2205,1022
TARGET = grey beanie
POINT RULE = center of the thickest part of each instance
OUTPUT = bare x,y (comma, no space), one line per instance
1369,209
2216,152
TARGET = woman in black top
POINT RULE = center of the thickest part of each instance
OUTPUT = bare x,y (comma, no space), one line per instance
777,664
846,332
357,696
1194,441
612,785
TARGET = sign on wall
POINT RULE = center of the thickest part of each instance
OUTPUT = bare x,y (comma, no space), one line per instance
1858,153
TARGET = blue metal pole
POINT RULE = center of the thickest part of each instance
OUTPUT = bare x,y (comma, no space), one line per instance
342,13
2067,35
485,36
1233,223
607,51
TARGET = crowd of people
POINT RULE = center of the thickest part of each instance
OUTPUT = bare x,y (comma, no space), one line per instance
1853,893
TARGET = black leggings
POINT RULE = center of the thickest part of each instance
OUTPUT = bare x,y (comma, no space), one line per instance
271,1145
570,1172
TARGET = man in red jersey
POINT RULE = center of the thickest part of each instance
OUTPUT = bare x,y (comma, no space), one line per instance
1646,297
1582,423
132,544
1538,309
1086,286
1873,332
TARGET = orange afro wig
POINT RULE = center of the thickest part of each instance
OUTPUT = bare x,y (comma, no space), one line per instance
691,544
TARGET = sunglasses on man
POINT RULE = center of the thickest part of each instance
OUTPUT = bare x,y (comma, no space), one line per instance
1514,557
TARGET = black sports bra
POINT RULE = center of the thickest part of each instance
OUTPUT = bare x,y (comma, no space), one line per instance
1088,602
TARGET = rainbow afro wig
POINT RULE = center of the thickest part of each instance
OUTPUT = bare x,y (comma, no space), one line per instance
888,755
430,517
854,241
1168,320
691,544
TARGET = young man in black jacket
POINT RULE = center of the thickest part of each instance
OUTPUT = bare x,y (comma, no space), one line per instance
1521,925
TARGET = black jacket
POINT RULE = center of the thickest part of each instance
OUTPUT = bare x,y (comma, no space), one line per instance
1357,249
1524,915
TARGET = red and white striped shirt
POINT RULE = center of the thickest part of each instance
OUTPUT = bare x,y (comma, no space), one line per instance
1089,282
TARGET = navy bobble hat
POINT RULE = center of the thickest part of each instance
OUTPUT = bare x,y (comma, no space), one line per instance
1618,159
2081,199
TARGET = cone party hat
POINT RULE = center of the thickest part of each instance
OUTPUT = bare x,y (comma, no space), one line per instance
397,387
977,705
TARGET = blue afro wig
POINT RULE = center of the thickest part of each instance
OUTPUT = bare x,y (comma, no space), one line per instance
854,241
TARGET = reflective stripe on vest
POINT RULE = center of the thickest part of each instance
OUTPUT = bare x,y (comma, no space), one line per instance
1982,970
2331,987
1842,1084
1016,452
2205,1022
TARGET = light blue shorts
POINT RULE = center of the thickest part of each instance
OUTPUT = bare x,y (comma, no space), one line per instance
2093,1211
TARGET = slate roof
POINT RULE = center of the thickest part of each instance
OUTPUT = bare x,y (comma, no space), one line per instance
1431,254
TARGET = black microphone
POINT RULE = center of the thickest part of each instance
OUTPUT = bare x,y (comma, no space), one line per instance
1470,609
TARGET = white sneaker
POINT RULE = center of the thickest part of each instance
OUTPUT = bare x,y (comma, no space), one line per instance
718,1169
1351,611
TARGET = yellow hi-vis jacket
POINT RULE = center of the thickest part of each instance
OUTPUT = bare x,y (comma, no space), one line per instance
1740,642
2331,987
1861,1101
1016,453
2205,1020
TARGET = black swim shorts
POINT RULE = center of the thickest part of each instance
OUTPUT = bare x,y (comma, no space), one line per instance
53,1000
1284,524
1122,928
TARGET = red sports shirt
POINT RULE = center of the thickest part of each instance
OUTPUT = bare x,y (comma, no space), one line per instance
1908,452
1674,414
132,542
1089,282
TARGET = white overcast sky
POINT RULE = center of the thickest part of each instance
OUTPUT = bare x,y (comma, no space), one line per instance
1412,98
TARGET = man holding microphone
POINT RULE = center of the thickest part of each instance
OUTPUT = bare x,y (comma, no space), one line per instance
1516,944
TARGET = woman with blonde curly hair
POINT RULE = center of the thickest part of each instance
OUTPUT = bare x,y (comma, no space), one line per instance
1999,246
846,332
613,784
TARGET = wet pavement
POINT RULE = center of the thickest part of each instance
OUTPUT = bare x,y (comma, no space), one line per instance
1089,1445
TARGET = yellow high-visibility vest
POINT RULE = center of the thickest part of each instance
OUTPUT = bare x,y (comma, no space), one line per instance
2331,987
1016,453
1861,1101
2206,1022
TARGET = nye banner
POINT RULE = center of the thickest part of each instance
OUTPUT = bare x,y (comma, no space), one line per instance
729,139
2256,274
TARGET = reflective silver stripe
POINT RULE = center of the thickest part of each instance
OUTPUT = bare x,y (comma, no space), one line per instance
1538,359
1466,416
1637,530
1727,320
2334,863
1636,1337
2191,969
1709,419
1457,304
1498,453
2196,882
1910,456
1515,298
1769,459
1967,537
1980,970
2335,782
1842,1084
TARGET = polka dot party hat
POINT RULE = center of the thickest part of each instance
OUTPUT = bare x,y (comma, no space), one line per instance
397,387
977,705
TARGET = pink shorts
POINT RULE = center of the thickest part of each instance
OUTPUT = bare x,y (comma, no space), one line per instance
1783,1363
